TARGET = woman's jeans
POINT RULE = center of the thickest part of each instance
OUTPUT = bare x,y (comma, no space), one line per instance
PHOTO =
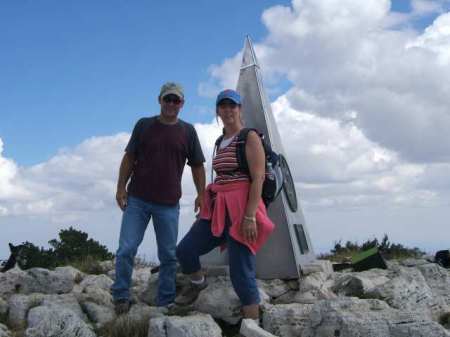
199,241
135,219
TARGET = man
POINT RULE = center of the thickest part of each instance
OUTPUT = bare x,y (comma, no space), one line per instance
154,159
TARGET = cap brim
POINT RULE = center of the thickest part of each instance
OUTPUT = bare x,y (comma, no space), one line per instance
172,92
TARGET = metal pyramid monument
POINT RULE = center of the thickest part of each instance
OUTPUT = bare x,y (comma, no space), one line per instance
289,247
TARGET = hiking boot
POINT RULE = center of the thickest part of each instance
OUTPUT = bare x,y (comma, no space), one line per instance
189,294
122,306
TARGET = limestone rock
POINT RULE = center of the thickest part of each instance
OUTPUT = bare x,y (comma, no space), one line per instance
14,281
70,272
274,288
19,305
312,288
359,284
220,300
98,314
198,325
249,328
353,317
100,281
287,320
49,282
56,321
4,332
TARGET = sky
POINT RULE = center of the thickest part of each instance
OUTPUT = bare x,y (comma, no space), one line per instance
360,91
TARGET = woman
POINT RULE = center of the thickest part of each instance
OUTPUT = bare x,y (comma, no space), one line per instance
232,213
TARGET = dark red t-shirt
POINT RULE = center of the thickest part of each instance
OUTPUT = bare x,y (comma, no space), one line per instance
161,151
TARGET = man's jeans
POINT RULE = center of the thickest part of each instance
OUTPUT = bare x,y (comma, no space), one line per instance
135,219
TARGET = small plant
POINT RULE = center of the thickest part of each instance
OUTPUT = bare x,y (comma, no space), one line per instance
342,252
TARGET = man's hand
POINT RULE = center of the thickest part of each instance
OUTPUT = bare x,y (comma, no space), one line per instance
198,203
122,198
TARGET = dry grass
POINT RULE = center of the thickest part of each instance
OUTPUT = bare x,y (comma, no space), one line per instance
124,327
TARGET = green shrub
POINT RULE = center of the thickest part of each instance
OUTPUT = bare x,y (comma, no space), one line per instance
73,247
389,250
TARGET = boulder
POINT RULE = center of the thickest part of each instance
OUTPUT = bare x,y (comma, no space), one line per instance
56,321
100,281
19,305
49,282
287,320
4,332
98,314
14,281
198,325
220,300
249,328
352,317
70,272
312,288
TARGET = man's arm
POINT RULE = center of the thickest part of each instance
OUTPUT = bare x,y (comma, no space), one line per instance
126,168
198,175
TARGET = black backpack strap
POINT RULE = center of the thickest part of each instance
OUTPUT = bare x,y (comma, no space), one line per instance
240,149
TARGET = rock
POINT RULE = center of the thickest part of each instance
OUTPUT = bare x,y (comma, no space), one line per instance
323,266
438,279
70,272
67,301
198,325
19,305
99,281
312,288
274,288
287,320
56,321
359,284
98,314
148,292
107,266
249,328
410,262
141,276
407,289
4,332
49,282
353,317
94,294
220,300
14,281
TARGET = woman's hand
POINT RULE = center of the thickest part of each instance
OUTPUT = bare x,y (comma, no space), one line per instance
248,229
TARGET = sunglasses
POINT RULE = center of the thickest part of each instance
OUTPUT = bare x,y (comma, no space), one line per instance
172,99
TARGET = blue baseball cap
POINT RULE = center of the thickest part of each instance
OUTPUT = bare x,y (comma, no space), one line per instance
229,94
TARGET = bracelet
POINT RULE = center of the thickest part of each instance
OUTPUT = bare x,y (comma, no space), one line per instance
250,218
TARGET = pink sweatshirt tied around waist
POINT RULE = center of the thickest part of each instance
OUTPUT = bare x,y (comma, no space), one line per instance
218,199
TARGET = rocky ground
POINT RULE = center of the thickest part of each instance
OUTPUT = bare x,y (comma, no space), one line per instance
410,298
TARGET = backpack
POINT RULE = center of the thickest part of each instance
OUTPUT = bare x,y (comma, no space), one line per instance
273,182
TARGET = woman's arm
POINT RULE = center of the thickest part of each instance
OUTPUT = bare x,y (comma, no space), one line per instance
254,152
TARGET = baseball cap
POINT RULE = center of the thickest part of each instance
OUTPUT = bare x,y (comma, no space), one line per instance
171,88
229,94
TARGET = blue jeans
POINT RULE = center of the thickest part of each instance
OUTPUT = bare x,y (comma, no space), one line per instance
199,241
135,220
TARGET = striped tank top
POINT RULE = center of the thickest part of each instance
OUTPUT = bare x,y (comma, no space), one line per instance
225,165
